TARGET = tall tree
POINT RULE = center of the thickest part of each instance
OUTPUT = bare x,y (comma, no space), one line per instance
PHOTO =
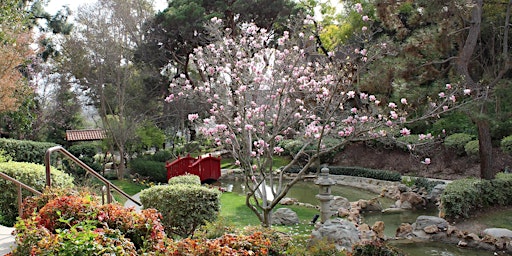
261,94
100,56
173,33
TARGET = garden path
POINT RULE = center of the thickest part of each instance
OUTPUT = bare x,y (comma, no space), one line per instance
6,240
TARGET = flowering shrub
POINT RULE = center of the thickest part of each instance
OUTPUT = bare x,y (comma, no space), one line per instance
77,222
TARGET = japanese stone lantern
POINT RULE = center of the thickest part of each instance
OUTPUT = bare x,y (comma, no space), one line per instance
324,196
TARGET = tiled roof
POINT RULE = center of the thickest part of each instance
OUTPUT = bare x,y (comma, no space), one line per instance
81,135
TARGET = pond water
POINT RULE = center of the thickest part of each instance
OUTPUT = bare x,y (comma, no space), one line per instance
305,192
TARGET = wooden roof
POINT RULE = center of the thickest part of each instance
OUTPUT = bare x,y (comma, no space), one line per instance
84,135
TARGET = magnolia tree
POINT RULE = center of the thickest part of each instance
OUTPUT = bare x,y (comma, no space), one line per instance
264,88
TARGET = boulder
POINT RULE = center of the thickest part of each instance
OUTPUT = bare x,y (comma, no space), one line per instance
378,228
432,229
404,230
339,202
372,205
498,232
436,192
414,199
285,216
339,231
288,201
425,221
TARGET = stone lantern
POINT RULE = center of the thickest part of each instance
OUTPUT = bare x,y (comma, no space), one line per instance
324,195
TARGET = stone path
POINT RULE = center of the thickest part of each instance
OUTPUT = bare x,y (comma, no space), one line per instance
6,240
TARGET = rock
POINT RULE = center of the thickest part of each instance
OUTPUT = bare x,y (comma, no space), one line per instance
288,201
432,229
451,230
285,216
436,192
413,198
393,210
498,232
339,231
370,205
378,227
406,205
404,230
425,221
339,202
342,212
403,188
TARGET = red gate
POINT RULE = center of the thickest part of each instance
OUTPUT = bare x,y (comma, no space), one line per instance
207,168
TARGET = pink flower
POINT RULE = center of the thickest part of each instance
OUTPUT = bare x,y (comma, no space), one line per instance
364,28
365,18
403,101
467,91
405,132
192,117
372,98
392,105
452,98
441,95
445,108
278,150
359,8
448,86
351,94
426,161
353,110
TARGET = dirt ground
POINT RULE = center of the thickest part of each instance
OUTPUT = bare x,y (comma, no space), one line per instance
445,164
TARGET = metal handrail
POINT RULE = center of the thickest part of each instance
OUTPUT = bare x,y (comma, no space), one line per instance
107,183
20,185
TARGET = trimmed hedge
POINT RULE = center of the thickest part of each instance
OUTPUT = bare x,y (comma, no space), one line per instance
506,144
25,150
355,171
189,179
457,141
472,148
462,197
183,207
155,171
31,174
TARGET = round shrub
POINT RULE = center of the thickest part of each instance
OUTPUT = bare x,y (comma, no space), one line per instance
291,147
33,175
471,148
161,156
183,207
457,141
189,179
506,144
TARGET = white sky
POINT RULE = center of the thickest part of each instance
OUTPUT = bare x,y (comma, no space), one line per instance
55,5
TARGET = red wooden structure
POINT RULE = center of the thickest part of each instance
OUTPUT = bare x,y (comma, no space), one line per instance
207,168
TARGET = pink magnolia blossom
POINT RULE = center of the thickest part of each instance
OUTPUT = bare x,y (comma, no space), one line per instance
192,117
467,91
359,8
426,161
392,105
448,86
365,18
405,132
441,95
403,101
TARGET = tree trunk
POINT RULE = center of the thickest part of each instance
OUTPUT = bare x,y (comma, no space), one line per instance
485,149
267,217
121,169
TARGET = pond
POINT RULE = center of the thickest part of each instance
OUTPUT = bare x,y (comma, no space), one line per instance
305,192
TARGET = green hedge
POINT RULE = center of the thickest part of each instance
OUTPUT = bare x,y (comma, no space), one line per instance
25,150
189,179
356,171
506,144
31,174
465,196
184,207
472,148
155,171
457,141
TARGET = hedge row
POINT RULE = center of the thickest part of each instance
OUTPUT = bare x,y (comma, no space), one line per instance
25,150
356,171
462,197
33,175
155,171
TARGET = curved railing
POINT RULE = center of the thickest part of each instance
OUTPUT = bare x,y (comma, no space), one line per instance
108,184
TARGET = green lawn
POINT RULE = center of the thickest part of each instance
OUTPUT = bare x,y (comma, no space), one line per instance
278,161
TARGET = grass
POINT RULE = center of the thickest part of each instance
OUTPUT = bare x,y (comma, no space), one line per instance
234,211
